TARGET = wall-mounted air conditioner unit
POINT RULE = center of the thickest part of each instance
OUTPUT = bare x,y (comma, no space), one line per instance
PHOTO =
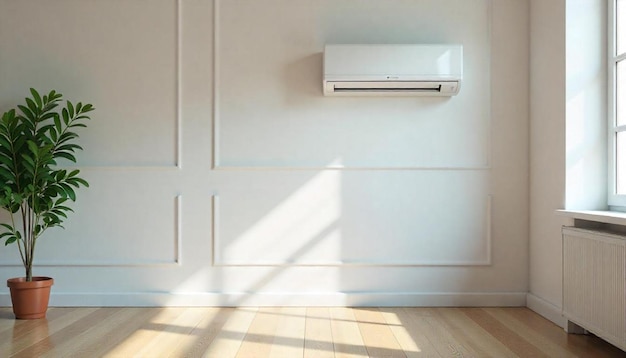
392,70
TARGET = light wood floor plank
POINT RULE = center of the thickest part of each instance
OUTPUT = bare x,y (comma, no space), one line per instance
27,332
260,336
471,334
457,345
229,339
6,319
511,339
347,339
318,341
408,334
79,346
547,346
172,333
114,334
148,331
439,337
201,337
289,339
68,331
377,337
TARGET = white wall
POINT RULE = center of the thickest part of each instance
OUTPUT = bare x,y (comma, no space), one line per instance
568,133
221,175
547,151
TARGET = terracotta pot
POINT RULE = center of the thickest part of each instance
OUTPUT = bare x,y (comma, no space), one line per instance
30,299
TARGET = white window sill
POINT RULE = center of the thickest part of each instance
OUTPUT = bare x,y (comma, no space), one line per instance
608,217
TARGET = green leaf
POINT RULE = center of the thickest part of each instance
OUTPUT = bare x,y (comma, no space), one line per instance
6,160
66,117
29,163
6,174
69,191
10,240
52,217
67,156
60,175
36,97
33,148
59,213
66,137
8,116
69,147
7,226
64,208
4,142
48,115
70,109
27,112
54,96
50,106
41,133
74,182
57,124
33,107
53,134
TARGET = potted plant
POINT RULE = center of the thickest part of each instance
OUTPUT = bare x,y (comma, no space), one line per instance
33,189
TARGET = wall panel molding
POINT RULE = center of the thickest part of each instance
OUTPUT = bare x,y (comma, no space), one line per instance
216,81
178,107
176,251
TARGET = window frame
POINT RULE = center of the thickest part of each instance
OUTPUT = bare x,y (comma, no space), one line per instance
614,198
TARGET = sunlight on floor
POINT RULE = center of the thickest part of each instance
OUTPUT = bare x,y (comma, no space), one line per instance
400,332
270,332
143,339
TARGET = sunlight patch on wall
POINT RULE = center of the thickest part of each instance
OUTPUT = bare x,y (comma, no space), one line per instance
301,229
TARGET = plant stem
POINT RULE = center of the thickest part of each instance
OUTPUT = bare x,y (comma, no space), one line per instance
19,245
24,240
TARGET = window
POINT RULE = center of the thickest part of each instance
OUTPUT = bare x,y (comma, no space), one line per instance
617,103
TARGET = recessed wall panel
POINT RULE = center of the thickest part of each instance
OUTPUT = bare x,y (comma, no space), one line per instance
335,217
118,221
271,111
121,56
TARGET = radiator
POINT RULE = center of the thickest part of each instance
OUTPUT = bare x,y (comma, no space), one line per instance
594,282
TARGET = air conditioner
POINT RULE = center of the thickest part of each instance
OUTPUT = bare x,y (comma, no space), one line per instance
392,70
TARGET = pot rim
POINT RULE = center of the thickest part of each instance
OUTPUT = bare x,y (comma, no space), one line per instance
38,281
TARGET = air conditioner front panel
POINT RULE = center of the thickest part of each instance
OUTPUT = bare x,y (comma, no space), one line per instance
392,70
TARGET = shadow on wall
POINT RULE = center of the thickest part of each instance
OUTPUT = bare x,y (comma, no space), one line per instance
303,79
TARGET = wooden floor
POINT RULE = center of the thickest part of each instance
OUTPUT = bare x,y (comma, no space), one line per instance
293,332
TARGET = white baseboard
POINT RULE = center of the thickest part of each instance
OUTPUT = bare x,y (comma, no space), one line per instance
546,309
506,299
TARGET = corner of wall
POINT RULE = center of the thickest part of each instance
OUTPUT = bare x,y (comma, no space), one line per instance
546,309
